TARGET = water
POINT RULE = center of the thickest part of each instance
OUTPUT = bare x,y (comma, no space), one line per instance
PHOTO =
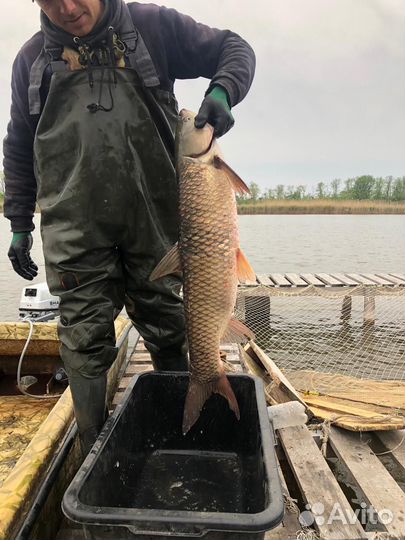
286,243
324,243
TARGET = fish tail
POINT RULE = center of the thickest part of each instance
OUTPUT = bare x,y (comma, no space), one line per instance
198,394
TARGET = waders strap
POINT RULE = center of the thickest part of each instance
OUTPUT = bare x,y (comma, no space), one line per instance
137,52
49,56
36,74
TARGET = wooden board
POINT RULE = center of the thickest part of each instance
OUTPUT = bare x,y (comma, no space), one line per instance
290,525
394,443
344,279
377,279
296,280
398,276
276,374
280,280
392,279
265,280
329,280
361,279
312,280
376,484
317,483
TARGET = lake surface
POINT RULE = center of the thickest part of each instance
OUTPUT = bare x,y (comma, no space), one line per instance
272,243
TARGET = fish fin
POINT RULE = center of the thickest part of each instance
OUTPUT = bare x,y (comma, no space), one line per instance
170,264
237,183
244,270
198,394
236,332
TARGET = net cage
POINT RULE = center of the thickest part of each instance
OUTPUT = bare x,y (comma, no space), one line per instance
332,341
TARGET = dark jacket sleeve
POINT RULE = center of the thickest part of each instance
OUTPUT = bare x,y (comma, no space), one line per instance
20,183
196,50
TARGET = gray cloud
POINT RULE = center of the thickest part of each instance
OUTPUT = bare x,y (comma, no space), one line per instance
327,100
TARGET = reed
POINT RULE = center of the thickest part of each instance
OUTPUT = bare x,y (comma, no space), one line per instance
320,206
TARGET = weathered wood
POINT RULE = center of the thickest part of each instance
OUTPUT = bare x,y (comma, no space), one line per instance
376,484
346,308
276,374
296,280
328,279
392,279
280,280
344,279
265,280
317,483
254,369
398,276
369,309
312,280
377,279
394,443
290,526
361,279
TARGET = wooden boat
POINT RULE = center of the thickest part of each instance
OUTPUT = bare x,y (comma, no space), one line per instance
39,452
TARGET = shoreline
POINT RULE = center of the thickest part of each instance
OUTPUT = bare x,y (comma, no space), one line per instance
323,206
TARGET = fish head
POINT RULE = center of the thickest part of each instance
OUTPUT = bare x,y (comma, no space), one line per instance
192,142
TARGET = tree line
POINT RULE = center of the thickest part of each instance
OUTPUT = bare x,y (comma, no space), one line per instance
364,187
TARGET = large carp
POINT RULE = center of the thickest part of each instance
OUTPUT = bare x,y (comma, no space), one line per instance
209,256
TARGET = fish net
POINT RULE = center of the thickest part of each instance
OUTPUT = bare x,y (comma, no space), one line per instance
339,342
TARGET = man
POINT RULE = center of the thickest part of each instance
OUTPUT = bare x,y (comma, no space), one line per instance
91,139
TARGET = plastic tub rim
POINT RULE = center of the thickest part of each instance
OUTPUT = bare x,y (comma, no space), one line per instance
268,518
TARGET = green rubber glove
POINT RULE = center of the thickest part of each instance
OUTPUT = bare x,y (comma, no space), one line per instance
216,110
19,255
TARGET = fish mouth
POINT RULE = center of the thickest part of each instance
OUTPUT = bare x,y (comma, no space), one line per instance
195,143
201,154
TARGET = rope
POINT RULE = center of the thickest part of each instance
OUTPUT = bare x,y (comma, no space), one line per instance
306,533
392,449
325,436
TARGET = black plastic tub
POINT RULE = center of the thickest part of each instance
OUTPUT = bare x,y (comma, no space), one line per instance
144,480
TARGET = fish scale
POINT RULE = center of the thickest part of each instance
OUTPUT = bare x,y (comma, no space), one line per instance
209,240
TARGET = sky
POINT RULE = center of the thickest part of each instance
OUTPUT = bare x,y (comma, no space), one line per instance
327,100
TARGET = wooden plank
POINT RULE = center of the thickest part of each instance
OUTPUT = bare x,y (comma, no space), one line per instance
317,483
376,484
377,279
252,368
280,280
344,279
290,525
312,280
361,279
276,374
388,277
393,441
265,280
296,280
329,280
398,276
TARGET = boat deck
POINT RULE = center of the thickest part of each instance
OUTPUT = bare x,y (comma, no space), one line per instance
336,482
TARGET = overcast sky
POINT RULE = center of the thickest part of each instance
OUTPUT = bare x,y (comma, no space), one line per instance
328,97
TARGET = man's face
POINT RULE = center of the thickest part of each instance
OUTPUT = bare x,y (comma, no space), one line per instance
77,17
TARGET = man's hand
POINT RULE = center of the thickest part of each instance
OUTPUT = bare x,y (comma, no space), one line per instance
216,111
19,255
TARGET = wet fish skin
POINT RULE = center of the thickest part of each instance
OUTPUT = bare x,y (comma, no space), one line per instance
210,258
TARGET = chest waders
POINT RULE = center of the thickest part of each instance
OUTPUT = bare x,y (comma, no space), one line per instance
108,197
